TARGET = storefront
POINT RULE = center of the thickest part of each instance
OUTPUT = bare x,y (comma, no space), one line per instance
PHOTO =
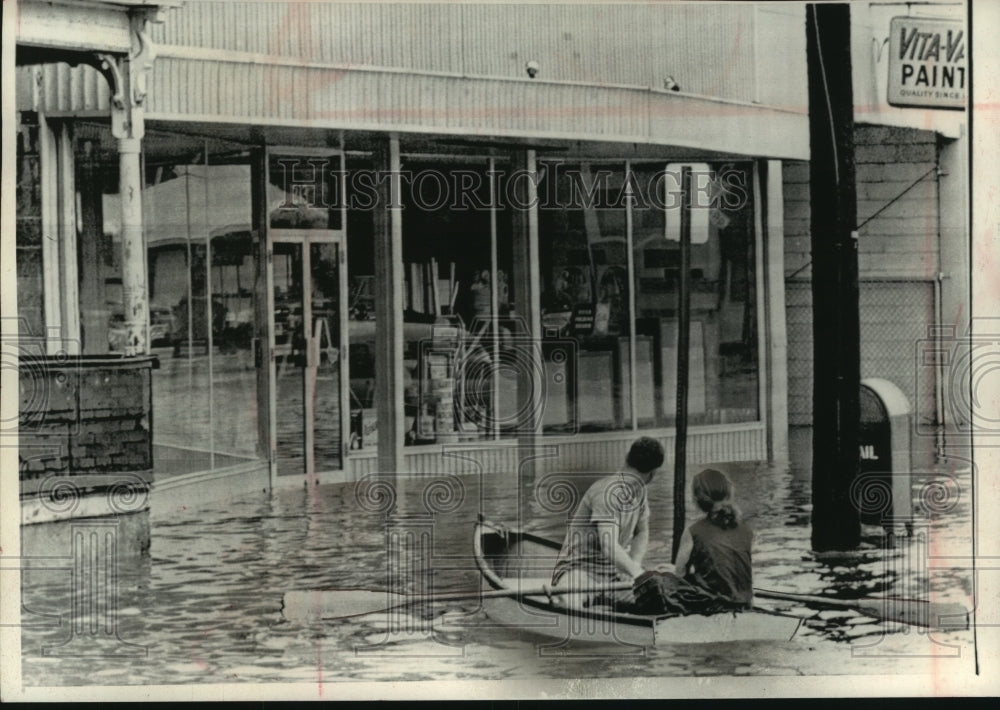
369,281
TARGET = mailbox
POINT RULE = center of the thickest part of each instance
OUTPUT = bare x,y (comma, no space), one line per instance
885,490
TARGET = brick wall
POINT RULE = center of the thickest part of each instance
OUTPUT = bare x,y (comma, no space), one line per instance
84,415
902,240
798,299
898,257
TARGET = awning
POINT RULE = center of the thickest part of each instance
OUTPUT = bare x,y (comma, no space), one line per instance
189,84
71,25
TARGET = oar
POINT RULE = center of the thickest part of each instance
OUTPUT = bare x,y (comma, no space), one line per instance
331,604
935,615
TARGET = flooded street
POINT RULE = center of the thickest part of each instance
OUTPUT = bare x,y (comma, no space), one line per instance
205,599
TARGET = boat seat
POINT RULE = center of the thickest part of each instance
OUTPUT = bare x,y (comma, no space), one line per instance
526,582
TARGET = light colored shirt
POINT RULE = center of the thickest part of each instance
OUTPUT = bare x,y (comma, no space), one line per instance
620,499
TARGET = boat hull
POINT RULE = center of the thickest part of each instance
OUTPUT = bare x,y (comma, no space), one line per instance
512,560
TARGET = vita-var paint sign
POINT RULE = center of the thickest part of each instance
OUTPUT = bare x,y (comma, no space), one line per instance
927,63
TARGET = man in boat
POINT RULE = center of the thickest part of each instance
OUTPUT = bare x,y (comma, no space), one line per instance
609,531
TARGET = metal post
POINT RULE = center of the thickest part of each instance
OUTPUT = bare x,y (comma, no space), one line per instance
633,390
683,355
526,280
189,274
494,415
209,315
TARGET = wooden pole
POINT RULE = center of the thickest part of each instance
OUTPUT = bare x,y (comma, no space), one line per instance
836,350
133,248
683,339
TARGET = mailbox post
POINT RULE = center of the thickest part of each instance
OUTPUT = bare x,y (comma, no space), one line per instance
884,485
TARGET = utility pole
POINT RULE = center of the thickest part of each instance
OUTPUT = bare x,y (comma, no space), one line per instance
836,346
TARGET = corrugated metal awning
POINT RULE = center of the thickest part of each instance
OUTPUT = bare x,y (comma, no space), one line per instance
188,84
70,25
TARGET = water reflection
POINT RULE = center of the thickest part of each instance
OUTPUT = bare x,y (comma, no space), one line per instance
205,599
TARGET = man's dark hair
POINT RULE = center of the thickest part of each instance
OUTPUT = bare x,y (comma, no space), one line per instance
645,455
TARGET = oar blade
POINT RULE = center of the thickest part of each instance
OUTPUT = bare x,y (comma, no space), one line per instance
312,605
915,612
946,616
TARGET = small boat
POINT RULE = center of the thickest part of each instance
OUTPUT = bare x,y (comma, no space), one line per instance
511,560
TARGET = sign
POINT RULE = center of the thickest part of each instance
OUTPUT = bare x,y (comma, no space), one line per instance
582,320
927,63
701,201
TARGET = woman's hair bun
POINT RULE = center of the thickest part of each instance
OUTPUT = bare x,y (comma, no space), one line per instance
724,515
712,490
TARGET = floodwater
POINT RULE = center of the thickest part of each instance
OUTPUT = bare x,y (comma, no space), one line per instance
203,603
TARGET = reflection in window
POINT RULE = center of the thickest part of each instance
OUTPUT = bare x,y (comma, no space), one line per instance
453,386
583,251
447,310
202,271
30,266
361,317
723,373
102,310
303,192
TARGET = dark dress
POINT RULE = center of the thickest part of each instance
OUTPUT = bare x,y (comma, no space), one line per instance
720,561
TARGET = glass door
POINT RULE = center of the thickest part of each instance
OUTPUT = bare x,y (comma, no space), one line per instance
308,314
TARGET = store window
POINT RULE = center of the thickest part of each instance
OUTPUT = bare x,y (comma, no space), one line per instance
609,274
591,215
30,266
583,252
102,310
201,285
722,358
456,304
450,232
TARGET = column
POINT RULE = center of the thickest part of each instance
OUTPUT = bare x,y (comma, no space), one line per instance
48,153
134,294
953,250
389,337
776,333
68,272
127,79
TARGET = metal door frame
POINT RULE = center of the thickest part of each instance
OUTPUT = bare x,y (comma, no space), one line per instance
306,237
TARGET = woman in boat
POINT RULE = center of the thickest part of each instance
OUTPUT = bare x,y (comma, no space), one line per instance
608,534
714,552
713,571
